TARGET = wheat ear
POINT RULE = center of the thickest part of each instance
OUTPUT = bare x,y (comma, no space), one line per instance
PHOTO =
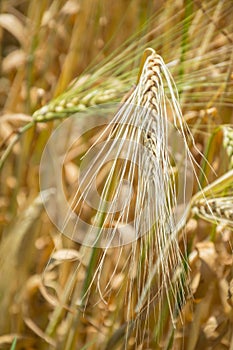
228,143
142,120
216,210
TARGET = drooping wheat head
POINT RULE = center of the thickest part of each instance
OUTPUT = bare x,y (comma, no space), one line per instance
138,198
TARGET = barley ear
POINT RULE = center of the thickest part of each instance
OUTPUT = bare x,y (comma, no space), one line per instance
228,143
216,210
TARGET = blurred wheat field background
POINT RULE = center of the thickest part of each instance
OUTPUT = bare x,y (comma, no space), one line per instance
60,57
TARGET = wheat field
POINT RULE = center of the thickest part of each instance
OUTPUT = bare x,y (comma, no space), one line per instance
116,170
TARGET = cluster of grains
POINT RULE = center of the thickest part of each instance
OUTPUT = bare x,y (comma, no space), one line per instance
228,143
61,108
216,209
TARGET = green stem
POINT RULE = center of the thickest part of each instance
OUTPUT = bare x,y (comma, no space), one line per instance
184,43
209,149
58,312
99,222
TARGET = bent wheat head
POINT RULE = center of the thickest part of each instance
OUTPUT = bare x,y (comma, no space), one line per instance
142,178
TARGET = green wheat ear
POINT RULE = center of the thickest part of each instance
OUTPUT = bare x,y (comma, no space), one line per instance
78,101
228,143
